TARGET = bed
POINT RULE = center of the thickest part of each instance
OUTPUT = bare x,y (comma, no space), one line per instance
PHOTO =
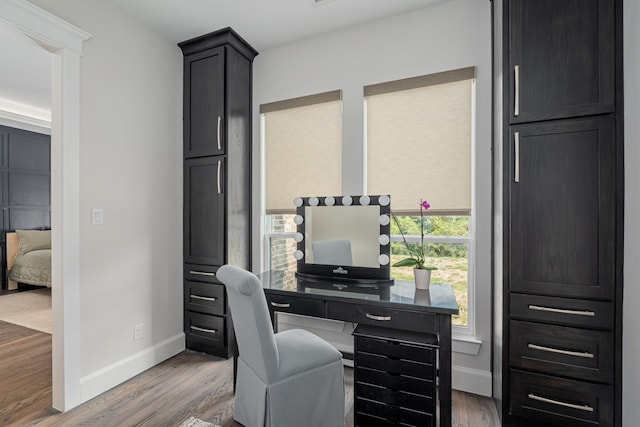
28,258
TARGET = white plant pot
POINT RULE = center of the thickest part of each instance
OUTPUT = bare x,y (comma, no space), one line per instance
422,278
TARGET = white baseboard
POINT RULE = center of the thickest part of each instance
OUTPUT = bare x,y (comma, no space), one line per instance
110,376
471,380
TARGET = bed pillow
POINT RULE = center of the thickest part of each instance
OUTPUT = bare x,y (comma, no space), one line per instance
32,240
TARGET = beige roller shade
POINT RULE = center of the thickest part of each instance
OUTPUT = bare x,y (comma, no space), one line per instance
419,145
303,150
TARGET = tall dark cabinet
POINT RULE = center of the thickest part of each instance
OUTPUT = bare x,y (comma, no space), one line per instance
217,181
562,201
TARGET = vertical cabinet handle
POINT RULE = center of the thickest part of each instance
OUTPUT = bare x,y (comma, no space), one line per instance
516,152
516,89
219,165
219,145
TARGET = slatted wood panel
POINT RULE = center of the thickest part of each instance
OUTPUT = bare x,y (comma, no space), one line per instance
189,384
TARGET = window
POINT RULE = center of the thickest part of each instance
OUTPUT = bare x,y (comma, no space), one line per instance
302,140
419,135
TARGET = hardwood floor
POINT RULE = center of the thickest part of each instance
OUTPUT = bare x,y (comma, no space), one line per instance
188,384
25,374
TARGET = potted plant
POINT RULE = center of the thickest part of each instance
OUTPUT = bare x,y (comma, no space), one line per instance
416,258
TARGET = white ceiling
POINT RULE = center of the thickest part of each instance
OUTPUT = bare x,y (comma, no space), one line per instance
25,80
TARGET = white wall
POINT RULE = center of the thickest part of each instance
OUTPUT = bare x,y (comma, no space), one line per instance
631,314
130,165
447,36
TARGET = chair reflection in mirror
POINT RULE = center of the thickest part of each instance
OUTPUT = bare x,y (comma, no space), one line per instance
332,252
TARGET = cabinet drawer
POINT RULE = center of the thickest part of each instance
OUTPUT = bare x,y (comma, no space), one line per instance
562,311
201,273
395,397
395,382
396,350
382,316
561,350
286,304
370,414
205,329
204,297
560,401
395,366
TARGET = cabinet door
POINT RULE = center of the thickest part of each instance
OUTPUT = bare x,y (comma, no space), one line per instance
204,211
562,208
561,58
204,103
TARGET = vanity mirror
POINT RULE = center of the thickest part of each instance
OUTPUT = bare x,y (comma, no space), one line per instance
345,237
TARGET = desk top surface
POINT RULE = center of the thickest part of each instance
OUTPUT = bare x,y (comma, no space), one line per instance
439,298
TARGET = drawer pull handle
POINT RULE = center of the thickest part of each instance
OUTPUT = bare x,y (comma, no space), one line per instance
203,298
563,311
280,305
516,89
201,273
585,354
516,154
209,331
380,318
557,402
219,120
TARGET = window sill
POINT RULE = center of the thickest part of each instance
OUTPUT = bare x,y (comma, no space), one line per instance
465,344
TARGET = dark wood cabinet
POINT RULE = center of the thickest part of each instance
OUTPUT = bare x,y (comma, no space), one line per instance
394,377
560,327
562,208
217,181
561,58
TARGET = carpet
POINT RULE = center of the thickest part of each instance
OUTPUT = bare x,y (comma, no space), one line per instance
31,309
195,422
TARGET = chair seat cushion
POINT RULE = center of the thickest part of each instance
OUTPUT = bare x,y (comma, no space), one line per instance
300,350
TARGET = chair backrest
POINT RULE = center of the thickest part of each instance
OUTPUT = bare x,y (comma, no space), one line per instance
332,252
251,320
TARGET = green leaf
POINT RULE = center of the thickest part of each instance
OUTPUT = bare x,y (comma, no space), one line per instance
407,262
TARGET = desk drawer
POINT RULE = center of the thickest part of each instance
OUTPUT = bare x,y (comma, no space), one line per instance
382,316
395,382
395,397
373,414
204,297
560,401
578,353
562,311
205,329
396,350
296,305
396,366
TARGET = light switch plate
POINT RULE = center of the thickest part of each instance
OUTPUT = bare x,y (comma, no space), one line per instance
97,216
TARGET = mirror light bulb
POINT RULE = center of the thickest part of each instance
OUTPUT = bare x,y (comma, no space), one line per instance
383,239
298,219
365,200
313,201
383,259
347,200
329,201
298,255
384,200
299,237
297,202
384,220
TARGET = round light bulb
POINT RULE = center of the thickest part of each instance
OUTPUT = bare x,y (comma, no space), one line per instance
384,220
313,201
365,200
383,259
297,202
383,239
329,201
384,200
347,200
298,219
298,255
299,237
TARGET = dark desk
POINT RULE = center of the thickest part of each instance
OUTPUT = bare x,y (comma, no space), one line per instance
401,307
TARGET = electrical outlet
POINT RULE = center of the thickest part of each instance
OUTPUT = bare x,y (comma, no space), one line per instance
138,331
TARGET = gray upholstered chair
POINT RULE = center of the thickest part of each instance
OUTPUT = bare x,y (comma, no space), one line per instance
289,379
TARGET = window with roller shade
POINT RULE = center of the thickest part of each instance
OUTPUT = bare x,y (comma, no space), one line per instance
419,134
302,140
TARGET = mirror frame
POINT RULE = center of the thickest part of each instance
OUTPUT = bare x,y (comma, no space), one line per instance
361,275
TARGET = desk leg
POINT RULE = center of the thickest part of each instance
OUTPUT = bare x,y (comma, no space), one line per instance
445,370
